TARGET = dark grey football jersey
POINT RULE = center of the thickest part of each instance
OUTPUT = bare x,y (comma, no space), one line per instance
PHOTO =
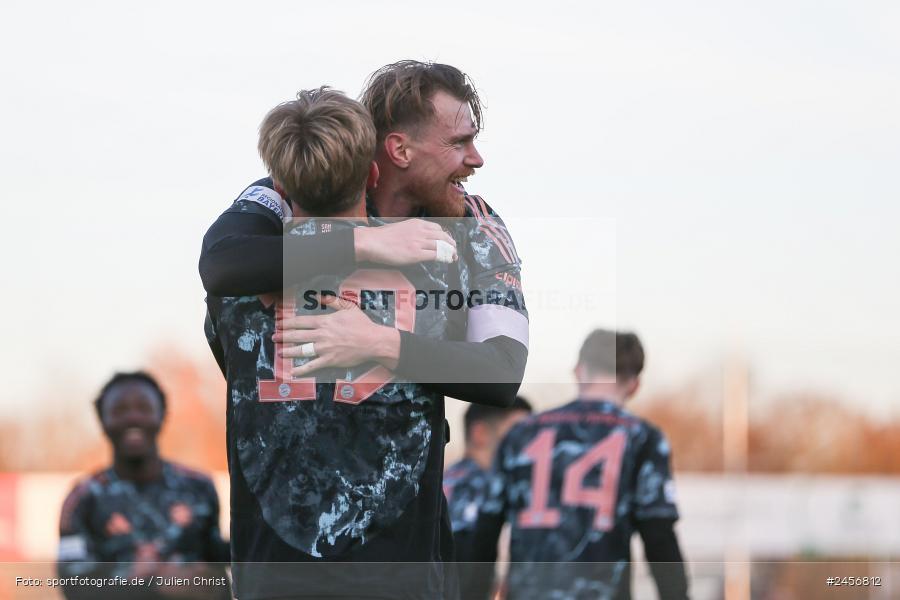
572,483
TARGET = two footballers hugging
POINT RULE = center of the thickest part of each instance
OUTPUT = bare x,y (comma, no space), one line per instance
348,293
336,427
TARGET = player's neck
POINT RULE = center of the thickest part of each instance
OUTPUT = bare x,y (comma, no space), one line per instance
391,198
601,391
142,469
357,211
481,456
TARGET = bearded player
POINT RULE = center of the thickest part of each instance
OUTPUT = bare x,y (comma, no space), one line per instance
426,116
337,463
575,484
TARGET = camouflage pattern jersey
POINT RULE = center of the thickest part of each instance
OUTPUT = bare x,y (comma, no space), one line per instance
346,465
573,482
465,486
109,524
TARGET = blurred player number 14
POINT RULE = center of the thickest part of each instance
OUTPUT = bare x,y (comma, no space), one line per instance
284,388
574,493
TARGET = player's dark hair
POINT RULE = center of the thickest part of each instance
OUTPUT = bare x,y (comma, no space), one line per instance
618,352
136,377
399,95
477,413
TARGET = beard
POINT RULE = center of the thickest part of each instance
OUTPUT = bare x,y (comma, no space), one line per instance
438,198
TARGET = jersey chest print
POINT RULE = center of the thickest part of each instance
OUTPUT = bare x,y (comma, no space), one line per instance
332,459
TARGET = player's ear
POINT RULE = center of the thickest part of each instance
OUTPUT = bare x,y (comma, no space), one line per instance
372,180
579,373
631,386
478,433
396,146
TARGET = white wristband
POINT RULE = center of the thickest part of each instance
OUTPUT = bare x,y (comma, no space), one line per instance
444,251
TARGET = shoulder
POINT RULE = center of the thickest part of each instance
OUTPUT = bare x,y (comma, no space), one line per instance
457,469
520,434
477,207
78,494
484,226
638,423
81,493
650,438
261,198
90,484
189,476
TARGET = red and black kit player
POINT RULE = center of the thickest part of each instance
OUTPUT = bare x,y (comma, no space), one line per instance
575,484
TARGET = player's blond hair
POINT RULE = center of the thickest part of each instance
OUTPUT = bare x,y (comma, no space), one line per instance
318,148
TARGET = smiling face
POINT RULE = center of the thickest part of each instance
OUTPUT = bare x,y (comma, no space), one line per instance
443,155
131,418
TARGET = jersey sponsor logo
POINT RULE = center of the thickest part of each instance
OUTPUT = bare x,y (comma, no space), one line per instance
264,197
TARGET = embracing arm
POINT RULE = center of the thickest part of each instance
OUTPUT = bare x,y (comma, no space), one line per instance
243,251
242,255
487,372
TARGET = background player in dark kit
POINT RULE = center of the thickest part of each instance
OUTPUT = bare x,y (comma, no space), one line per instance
576,482
142,516
466,484
426,116
466,481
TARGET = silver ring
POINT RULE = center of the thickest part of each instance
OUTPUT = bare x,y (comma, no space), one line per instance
307,350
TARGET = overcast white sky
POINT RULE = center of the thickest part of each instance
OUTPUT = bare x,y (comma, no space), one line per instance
743,158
